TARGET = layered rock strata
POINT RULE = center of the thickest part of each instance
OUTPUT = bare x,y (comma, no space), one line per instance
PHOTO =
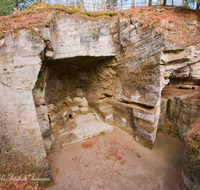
114,63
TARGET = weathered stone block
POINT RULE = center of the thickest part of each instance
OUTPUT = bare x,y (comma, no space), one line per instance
142,120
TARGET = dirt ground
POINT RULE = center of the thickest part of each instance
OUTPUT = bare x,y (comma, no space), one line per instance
116,161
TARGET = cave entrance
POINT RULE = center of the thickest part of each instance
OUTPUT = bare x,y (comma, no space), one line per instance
65,95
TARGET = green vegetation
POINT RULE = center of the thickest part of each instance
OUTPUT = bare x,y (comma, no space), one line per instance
102,133
8,6
140,11
189,3
74,10
194,142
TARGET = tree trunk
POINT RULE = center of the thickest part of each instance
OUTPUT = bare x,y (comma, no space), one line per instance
17,5
83,5
150,3
197,8
132,3
172,2
164,2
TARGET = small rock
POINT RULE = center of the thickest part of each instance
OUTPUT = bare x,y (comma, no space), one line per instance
47,144
124,120
109,118
136,138
159,10
81,102
79,92
68,99
52,108
49,54
65,113
84,110
75,109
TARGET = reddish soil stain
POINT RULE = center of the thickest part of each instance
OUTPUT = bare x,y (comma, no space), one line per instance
90,143
111,162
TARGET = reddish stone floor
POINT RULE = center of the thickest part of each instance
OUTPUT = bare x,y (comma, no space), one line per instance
116,161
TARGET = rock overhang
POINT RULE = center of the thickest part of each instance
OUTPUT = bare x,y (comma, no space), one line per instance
128,65
76,62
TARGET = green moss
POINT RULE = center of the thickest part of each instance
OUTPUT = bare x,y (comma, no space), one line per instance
192,120
18,16
108,13
130,15
87,13
102,133
74,10
98,14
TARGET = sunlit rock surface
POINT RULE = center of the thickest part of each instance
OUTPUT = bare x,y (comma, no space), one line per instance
113,64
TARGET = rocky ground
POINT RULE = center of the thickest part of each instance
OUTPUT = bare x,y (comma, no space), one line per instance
116,161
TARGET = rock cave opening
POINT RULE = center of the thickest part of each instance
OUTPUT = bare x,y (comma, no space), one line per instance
68,93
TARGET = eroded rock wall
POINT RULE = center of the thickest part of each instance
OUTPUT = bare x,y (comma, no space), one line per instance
74,35
118,65
139,81
19,66
182,66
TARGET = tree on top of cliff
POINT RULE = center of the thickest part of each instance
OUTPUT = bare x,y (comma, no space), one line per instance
112,4
22,4
198,5
8,6
190,3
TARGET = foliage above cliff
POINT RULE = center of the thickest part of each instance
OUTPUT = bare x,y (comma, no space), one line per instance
180,25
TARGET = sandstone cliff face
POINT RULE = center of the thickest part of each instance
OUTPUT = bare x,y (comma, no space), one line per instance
118,66
20,63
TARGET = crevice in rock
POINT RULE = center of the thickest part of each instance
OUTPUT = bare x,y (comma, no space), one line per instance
177,61
186,81
173,51
5,84
104,96
137,104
